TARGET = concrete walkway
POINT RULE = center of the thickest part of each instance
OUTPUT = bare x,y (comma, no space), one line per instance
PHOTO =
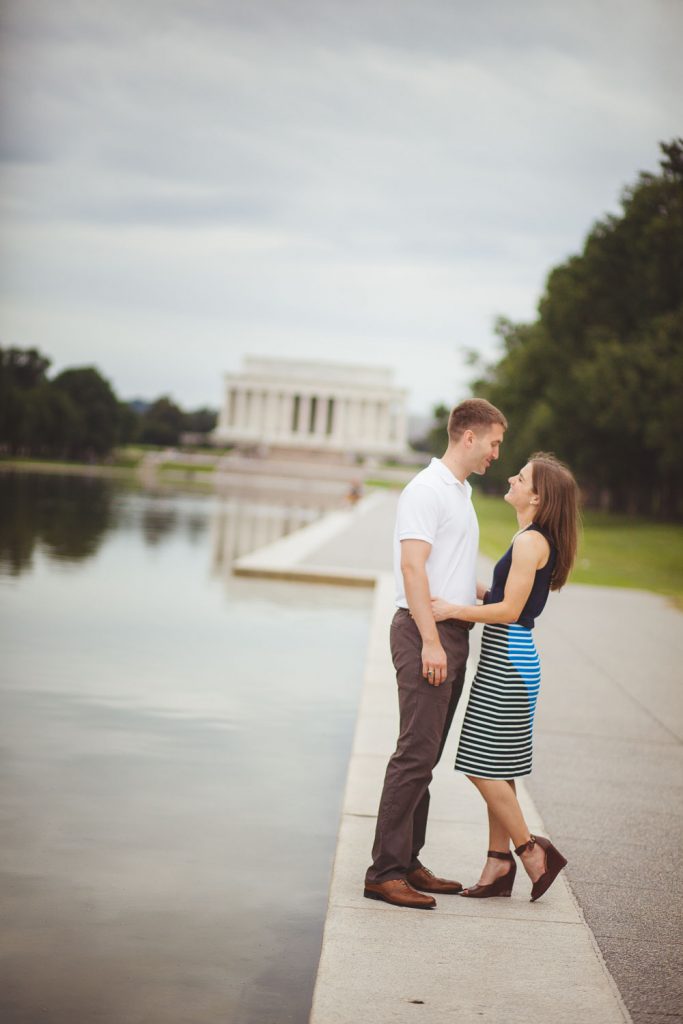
505,960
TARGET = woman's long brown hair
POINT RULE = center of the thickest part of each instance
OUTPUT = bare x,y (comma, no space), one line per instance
558,511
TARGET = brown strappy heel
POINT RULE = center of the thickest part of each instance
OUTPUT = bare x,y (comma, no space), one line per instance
501,887
554,862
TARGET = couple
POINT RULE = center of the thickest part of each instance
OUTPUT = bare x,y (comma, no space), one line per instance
435,552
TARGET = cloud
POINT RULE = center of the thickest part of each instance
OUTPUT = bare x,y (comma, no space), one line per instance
377,179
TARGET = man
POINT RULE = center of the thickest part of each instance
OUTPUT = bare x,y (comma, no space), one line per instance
435,551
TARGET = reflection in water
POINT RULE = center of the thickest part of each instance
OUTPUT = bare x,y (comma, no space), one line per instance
173,762
157,522
68,516
195,526
241,528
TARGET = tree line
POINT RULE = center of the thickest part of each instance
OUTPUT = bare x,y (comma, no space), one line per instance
76,415
598,376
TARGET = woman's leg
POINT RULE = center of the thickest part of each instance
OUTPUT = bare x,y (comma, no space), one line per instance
499,840
504,809
499,837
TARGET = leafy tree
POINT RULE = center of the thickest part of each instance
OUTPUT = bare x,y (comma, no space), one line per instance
50,423
598,377
77,415
200,421
21,373
161,423
24,368
436,439
128,424
92,431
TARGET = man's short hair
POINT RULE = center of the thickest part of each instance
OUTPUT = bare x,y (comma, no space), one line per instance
473,414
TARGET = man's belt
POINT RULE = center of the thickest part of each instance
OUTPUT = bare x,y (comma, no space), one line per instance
467,626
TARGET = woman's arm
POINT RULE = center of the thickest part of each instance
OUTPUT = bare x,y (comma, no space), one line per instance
529,551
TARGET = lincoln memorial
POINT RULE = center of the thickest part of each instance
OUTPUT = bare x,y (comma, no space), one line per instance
316,406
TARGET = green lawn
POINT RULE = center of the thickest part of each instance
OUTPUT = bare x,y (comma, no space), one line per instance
614,551
36,460
186,467
391,485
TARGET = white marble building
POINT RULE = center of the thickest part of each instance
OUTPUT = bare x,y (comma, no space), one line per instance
318,406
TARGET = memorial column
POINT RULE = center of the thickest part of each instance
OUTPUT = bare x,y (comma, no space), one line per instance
286,413
400,426
304,415
240,409
320,424
224,415
338,421
352,420
383,426
270,416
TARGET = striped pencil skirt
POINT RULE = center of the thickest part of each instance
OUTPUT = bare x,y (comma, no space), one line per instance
497,733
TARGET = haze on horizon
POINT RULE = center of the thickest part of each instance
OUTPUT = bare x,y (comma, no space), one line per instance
185,183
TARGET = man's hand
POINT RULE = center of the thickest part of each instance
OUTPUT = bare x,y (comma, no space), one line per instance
434,663
414,555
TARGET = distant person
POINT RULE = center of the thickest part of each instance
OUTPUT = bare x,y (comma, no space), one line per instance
435,552
354,493
495,745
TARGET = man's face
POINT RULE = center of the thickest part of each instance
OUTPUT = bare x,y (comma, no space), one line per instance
485,448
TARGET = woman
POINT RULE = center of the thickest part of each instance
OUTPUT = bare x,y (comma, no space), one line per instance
495,745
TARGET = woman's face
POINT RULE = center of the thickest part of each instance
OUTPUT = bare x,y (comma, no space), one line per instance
521,493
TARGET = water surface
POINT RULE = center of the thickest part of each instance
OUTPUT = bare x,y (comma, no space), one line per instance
174,743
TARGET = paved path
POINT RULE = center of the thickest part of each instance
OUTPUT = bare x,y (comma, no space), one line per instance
609,780
607,786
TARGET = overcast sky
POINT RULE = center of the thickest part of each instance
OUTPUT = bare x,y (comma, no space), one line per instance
185,182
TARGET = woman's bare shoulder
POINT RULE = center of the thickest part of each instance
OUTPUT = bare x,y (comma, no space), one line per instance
530,542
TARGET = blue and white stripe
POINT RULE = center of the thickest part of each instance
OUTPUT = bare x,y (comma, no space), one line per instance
497,733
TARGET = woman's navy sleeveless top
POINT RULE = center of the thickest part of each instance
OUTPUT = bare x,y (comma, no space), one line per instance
539,592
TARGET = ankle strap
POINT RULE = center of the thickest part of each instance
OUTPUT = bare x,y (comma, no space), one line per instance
529,845
498,855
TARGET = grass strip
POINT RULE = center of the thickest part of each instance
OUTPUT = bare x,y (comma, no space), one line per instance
186,467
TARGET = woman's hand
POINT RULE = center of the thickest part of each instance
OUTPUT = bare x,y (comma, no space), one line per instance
442,610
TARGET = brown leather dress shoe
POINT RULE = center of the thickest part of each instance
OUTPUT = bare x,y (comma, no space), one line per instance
424,880
399,893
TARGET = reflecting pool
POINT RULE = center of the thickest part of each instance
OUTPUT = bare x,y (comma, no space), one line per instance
174,744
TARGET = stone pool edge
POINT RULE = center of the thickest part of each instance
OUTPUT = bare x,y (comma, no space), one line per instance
283,559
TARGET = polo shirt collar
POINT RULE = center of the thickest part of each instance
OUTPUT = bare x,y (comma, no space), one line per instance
446,475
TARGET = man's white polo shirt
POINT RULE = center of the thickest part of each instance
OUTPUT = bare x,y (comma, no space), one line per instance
437,507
